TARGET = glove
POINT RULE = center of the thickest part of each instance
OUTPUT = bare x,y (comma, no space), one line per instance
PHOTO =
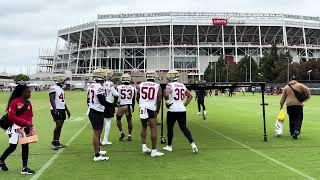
69,114
168,105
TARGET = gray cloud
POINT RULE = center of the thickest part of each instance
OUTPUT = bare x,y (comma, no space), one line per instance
26,26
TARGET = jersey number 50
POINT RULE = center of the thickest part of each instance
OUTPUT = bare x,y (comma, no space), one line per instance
148,93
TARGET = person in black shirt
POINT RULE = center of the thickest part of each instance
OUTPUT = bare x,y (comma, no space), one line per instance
200,94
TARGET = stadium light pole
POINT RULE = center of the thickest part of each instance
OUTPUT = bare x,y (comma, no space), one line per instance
246,72
309,73
288,68
215,71
227,73
250,70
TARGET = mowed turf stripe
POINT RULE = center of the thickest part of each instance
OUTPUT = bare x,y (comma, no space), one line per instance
261,154
54,157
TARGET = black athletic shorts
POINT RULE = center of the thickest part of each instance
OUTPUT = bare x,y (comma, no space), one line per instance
151,115
61,115
177,116
109,110
96,119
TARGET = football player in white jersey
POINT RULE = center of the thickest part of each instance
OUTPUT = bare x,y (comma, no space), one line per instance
149,98
127,95
96,100
174,96
59,110
111,99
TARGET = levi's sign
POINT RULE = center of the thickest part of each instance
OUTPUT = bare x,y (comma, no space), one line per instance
219,21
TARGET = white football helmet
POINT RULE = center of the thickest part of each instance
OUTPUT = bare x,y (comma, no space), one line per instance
173,75
99,74
125,78
109,74
151,75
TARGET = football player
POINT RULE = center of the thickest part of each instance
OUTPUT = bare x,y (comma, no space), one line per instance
126,104
149,97
174,97
111,97
59,109
96,100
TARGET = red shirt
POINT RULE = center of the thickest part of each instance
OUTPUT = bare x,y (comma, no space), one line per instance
25,118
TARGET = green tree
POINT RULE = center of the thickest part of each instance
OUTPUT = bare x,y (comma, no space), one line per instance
233,73
243,65
209,74
21,77
221,70
274,65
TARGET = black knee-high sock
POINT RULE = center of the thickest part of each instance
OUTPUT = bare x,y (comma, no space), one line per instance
170,124
8,151
25,154
57,131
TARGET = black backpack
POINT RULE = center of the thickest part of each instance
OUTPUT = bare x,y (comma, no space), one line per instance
301,96
5,123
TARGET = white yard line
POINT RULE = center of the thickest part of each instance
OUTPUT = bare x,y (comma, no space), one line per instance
54,157
77,119
261,154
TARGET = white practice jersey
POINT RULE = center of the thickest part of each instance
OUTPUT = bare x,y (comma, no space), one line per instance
93,91
177,93
59,99
110,91
126,94
148,95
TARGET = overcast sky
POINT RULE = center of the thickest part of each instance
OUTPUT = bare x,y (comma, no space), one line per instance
27,25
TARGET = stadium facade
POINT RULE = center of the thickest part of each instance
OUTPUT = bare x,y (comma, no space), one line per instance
186,41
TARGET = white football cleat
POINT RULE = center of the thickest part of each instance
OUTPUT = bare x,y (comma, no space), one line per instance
146,150
199,113
156,153
101,158
194,148
168,148
106,142
102,153
205,112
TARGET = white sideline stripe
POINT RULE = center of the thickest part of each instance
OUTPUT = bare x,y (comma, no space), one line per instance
54,157
76,119
263,155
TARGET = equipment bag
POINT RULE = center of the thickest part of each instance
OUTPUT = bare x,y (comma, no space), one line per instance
278,128
281,116
301,96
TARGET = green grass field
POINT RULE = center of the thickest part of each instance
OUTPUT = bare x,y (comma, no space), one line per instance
230,145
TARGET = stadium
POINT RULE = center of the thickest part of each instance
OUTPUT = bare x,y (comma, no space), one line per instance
231,133
186,41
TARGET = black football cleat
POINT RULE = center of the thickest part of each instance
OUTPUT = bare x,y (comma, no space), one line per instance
3,167
122,135
27,171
